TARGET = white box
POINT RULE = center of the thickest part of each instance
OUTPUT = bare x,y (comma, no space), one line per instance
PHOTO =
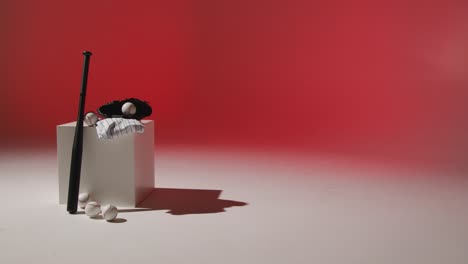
118,171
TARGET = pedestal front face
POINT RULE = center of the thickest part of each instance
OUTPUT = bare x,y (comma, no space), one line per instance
118,171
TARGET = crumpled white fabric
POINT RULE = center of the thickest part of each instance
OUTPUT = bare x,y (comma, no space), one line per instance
111,128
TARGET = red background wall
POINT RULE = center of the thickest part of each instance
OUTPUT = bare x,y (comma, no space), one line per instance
381,78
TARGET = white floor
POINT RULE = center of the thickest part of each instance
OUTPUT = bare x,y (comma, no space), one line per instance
270,209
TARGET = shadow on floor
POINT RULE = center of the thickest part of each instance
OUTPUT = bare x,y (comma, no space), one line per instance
185,201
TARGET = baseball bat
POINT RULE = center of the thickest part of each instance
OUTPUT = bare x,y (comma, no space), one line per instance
77,150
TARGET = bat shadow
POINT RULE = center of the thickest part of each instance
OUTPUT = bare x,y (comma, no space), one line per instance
184,202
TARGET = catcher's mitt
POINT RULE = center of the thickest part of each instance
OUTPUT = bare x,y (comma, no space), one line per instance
114,109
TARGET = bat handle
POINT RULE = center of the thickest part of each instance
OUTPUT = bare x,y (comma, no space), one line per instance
84,80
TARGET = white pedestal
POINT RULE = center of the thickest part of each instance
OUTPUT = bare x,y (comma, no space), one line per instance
118,171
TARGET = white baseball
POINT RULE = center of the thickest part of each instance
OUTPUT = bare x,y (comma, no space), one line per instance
109,212
91,119
128,109
83,200
93,209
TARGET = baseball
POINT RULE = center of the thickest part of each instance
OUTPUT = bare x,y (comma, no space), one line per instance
83,199
91,119
93,209
109,212
128,109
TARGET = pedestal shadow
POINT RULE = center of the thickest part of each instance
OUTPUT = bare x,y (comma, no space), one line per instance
185,201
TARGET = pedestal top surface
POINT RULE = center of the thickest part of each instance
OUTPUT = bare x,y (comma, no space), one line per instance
73,124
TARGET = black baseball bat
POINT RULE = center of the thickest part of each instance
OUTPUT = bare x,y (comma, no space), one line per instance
77,151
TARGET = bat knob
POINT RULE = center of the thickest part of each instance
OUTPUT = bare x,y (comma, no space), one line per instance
87,53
